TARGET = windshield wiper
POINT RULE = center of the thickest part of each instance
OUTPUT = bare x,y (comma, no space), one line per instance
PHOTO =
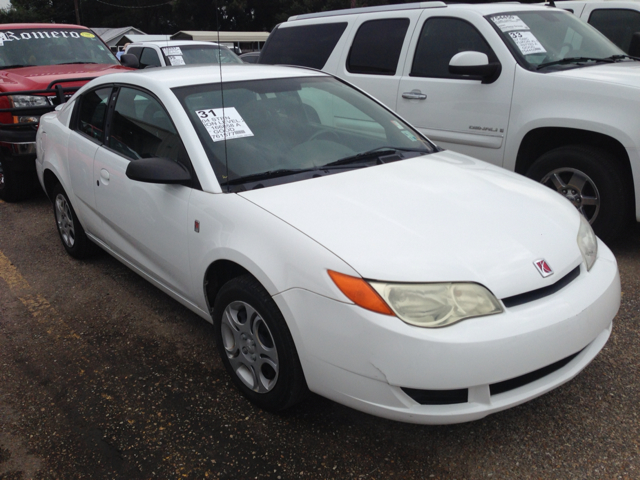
373,153
75,63
4,67
282,172
575,60
615,58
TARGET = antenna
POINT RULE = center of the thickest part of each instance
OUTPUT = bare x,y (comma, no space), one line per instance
224,123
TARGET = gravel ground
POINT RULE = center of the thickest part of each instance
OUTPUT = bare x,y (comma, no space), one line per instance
104,376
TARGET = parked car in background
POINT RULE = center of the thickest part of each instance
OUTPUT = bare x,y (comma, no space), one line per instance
617,20
41,65
180,52
251,57
332,246
530,88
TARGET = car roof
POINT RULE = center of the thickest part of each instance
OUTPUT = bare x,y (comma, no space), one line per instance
481,8
185,75
172,43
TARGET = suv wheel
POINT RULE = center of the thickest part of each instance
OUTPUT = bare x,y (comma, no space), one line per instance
592,180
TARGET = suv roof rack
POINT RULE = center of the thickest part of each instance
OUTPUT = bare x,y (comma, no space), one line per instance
381,8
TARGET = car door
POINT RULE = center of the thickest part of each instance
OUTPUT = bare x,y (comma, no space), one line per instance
87,134
145,223
458,112
372,62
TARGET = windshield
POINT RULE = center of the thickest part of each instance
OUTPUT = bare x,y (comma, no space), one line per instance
288,129
34,47
197,54
553,39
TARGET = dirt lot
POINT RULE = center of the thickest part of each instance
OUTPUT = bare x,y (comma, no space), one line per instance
104,376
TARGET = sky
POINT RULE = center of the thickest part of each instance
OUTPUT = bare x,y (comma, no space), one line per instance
4,3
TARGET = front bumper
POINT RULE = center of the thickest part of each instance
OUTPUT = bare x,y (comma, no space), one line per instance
364,360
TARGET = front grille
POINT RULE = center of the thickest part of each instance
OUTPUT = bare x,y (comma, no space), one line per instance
530,377
542,292
451,397
438,397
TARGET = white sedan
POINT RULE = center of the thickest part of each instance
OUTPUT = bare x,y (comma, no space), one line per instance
332,246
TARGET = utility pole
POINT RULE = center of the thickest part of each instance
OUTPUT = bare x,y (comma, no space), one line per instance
75,2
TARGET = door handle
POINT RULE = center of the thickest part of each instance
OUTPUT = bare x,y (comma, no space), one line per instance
104,176
414,95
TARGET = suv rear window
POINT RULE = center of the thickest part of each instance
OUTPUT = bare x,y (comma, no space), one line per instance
377,45
306,46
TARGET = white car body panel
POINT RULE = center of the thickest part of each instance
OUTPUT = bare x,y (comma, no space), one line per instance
435,218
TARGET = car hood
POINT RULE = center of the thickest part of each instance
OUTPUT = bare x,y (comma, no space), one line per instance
38,78
441,217
624,73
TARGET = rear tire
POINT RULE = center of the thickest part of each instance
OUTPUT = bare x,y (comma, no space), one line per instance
256,347
593,181
72,235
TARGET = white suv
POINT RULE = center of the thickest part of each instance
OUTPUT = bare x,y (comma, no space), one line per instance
180,52
529,88
619,21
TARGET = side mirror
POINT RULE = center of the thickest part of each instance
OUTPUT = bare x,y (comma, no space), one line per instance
129,60
634,46
475,64
158,170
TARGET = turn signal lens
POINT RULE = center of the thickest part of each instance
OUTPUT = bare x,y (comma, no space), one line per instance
360,292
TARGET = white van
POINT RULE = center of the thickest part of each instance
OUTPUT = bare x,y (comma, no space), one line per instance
530,88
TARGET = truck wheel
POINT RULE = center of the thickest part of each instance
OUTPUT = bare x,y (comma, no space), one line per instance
256,347
592,180
14,186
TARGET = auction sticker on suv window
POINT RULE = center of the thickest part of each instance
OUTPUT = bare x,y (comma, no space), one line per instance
176,60
527,42
508,23
224,123
172,51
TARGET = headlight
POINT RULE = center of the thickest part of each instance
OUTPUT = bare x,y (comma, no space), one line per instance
29,101
587,243
437,304
420,304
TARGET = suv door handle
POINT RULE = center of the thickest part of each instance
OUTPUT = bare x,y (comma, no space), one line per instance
414,95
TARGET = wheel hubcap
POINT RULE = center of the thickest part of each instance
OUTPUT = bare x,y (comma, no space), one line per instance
250,347
578,188
64,220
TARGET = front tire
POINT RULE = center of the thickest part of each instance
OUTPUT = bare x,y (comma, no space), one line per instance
72,235
14,186
592,180
256,347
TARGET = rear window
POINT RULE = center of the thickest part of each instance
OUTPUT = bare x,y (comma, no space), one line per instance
376,47
306,46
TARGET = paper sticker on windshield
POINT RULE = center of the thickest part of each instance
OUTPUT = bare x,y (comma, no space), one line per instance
397,124
410,135
224,123
88,35
527,43
172,51
2,39
10,36
176,60
508,23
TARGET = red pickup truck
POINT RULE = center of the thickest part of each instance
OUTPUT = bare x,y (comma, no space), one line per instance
41,66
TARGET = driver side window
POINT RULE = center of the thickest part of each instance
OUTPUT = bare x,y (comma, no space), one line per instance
440,40
141,127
